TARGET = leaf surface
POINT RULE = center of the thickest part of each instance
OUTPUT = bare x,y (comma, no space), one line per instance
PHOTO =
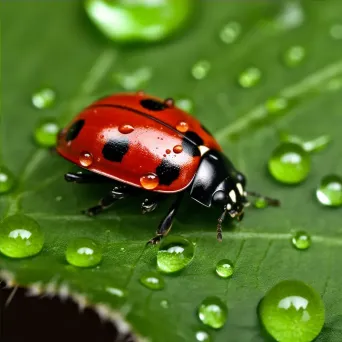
52,43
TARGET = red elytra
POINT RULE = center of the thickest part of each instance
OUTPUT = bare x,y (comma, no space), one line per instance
127,136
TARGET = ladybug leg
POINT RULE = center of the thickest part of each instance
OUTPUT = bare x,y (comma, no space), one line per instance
166,224
85,177
150,203
118,193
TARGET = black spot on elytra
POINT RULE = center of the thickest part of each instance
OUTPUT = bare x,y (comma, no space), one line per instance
115,149
153,105
74,130
167,172
205,130
190,149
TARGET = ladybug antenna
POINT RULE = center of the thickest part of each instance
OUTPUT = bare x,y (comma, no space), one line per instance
219,225
270,201
169,102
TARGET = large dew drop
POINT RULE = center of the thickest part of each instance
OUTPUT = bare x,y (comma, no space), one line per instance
224,268
292,311
329,192
138,21
46,132
43,98
289,163
174,254
301,240
20,236
83,252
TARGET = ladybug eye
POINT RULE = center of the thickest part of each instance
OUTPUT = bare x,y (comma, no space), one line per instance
153,105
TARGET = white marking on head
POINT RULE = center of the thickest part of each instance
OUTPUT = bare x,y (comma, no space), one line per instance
229,206
240,188
232,195
203,149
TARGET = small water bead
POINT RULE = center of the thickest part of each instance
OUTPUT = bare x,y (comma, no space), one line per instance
86,159
329,192
7,180
289,163
301,240
174,254
83,252
134,80
336,31
43,98
149,181
178,149
126,129
201,69
276,104
292,311
46,133
152,281
202,336
138,21
20,236
294,56
249,77
168,151
225,268
116,292
164,304
230,32
185,104
213,312
291,16
260,203
182,126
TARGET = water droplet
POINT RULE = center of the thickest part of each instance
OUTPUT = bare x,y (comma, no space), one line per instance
200,69
43,98
126,129
230,32
292,311
46,133
116,292
152,281
291,16
276,104
185,104
178,149
175,253
138,21
294,56
149,181
301,240
225,268
164,304
202,336
20,236
168,151
260,203
182,126
289,163
329,192
250,77
134,80
7,180
58,198
336,31
213,312
86,159
83,252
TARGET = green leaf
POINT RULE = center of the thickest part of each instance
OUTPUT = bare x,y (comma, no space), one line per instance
53,44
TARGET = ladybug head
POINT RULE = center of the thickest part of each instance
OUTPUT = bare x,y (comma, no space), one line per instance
232,195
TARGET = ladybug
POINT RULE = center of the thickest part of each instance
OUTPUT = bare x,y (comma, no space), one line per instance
141,143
